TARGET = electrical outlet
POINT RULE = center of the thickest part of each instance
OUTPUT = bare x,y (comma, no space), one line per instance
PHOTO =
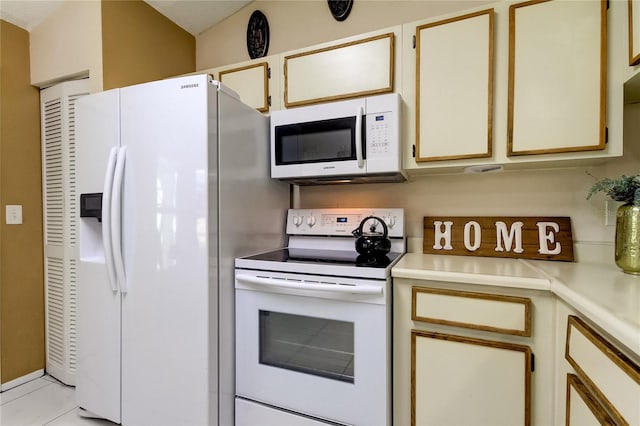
610,212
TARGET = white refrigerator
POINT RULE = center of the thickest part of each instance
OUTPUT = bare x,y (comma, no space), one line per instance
174,183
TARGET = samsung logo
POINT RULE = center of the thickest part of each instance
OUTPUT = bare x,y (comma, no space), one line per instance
189,86
329,167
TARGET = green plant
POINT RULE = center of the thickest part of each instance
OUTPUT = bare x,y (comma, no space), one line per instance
625,189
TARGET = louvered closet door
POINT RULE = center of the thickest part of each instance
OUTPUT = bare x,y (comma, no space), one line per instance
60,206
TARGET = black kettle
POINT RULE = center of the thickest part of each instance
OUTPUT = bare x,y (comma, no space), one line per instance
372,244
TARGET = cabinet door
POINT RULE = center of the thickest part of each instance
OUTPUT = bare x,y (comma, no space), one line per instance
582,407
557,78
463,381
634,32
251,82
347,69
612,376
454,88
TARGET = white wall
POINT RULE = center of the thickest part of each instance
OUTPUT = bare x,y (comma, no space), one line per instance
68,44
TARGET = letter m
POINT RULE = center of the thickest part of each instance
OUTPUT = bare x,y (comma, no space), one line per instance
515,233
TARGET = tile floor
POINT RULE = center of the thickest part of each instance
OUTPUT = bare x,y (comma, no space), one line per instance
43,401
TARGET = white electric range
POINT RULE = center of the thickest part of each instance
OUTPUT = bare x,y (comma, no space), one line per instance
313,324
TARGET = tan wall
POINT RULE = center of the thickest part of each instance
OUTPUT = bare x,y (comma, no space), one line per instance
68,44
21,264
300,23
139,45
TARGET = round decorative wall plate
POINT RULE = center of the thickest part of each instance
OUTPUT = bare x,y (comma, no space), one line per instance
340,9
257,35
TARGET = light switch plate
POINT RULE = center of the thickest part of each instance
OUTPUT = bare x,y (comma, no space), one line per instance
13,214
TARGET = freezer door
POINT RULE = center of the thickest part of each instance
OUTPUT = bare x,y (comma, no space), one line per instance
167,325
98,299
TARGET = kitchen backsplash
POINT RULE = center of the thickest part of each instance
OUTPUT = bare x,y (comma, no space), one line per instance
552,192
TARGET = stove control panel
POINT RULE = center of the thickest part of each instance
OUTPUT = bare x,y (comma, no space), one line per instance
340,222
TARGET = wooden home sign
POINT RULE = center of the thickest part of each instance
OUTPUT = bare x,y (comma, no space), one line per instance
544,238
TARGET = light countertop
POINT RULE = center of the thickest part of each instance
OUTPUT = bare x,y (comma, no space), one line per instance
601,292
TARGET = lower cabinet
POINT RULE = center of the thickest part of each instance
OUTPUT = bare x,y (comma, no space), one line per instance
602,382
583,408
466,357
467,381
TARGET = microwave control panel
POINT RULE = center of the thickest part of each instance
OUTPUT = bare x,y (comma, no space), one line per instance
340,221
379,130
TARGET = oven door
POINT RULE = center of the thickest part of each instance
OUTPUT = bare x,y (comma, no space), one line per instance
316,352
317,141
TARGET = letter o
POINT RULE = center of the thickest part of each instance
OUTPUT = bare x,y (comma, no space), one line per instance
476,235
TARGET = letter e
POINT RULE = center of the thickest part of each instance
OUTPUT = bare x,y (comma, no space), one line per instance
544,237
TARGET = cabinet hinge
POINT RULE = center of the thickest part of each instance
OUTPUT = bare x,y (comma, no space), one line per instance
413,151
533,362
269,100
414,41
607,4
606,135
268,72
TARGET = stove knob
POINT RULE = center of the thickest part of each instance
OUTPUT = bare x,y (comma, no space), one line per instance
392,221
297,220
311,220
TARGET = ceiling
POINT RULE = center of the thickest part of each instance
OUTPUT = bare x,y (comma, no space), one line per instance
194,16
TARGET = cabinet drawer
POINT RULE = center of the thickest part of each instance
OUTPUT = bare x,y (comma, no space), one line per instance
480,311
612,376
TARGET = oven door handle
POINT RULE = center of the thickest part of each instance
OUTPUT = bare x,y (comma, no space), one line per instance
362,289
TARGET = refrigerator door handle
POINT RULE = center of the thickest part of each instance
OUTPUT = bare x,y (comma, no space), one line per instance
116,218
106,218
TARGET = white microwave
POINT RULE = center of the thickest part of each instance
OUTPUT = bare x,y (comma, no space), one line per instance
356,140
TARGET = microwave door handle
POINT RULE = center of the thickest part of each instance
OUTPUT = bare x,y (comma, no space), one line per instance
359,156
363,289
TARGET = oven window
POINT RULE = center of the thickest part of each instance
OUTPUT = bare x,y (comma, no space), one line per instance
317,346
317,141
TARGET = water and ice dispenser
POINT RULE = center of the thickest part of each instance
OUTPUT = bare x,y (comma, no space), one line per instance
91,205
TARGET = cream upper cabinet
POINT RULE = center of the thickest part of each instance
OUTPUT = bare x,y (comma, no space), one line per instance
454,88
632,80
634,32
542,85
557,76
257,82
353,67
